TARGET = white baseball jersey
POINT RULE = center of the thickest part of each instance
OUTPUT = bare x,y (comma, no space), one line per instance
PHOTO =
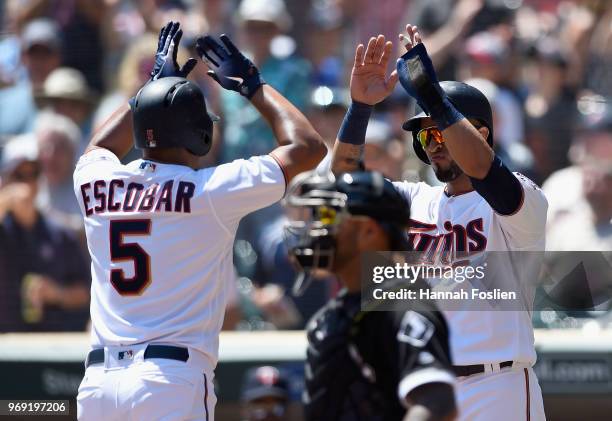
160,238
478,337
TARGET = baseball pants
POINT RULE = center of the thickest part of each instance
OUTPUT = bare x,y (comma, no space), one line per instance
507,394
133,388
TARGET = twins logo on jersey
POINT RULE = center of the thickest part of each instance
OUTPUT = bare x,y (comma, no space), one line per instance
452,247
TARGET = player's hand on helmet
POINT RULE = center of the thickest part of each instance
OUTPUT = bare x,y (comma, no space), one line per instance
229,67
416,71
167,50
369,81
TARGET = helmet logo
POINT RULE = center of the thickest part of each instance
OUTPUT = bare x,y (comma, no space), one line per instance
151,139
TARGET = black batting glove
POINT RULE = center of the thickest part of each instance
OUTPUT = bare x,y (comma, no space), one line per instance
231,69
167,49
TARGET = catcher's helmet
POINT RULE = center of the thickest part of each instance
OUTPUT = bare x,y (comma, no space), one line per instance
323,202
468,100
171,113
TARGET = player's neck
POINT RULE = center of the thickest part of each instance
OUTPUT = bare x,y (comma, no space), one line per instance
460,185
176,156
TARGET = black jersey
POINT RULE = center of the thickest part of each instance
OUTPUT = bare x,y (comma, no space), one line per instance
357,360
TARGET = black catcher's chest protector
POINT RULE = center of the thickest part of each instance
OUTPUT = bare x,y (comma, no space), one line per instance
340,384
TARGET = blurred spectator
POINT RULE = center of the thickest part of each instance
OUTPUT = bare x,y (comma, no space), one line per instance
382,152
58,142
580,196
444,25
66,93
262,24
325,36
488,56
597,74
81,23
265,394
43,275
327,108
507,115
133,72
370,18
40,55
550,108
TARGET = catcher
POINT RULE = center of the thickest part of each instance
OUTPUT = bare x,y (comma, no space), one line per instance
364,365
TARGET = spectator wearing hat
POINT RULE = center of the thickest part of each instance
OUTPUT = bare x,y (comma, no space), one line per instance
58,142
40,55
43,275
580,196
325,48
81,25
263,25
382,152
550,108
265,394
66,93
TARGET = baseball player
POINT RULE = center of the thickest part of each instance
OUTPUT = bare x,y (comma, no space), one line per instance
160,232
364,365
482,207
265,394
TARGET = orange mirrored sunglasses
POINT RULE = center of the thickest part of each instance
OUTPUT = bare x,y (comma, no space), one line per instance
426,135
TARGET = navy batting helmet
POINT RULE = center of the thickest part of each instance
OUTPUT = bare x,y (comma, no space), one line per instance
322,204
468,100
171,113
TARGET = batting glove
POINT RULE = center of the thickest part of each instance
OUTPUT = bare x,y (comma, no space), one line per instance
419,79
232,70
167,49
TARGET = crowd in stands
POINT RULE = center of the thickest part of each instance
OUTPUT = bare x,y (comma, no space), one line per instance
545,66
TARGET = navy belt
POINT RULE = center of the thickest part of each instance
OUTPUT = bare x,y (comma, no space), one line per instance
168,352
470,370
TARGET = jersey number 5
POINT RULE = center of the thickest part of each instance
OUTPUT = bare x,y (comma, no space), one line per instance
121,251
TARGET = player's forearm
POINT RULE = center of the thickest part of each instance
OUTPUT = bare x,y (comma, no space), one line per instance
468,148
346,157
291,128
421,413
431,402
348,150
115,134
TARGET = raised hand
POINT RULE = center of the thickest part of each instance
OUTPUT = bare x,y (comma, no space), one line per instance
413,37
166,55
369,81
231,69
416,72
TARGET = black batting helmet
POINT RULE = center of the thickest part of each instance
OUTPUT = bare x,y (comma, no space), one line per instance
171,113
321,204
468,100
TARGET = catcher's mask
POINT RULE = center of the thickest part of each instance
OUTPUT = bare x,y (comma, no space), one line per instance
316,207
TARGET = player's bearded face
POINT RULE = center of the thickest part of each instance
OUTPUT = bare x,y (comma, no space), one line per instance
448,172
445,168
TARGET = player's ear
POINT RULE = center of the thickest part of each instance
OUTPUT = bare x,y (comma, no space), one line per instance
484,132
370,235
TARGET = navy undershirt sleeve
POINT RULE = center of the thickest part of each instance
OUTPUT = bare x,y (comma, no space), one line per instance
500,188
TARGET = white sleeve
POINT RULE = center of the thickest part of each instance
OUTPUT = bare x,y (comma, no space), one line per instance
527,225
243,186
95,163
406,189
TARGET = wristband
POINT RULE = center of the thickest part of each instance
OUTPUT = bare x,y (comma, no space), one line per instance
355,124
445,114
418,77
